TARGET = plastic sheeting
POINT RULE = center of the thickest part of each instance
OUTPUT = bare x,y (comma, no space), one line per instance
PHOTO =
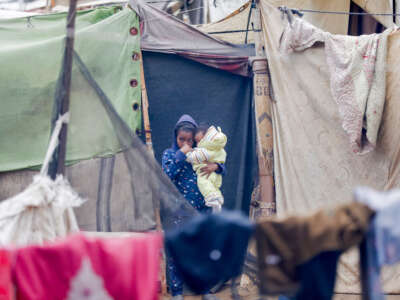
314,165
126,189
397,2
162,32
219,9
381,6
236,21
131,188
177,86
332,23
30,58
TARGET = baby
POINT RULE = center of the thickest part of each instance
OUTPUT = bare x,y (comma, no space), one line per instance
210,148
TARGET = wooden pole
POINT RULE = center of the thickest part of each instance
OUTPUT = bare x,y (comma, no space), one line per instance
265,206
62,105
66,82
145,108
149,144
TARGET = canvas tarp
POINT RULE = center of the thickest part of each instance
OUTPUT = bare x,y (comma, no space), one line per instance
314,165
30,58
177,86
236,21
162,32
11,14
397,2
219,9
381,6
334,23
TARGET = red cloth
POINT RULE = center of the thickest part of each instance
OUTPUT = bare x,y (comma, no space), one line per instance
85,268
6,290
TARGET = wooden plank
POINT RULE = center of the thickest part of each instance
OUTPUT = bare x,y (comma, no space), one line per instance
145,108
265,206
149,144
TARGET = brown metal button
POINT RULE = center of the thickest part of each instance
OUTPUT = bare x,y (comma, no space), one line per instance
135,56
135,106
133,31
133,83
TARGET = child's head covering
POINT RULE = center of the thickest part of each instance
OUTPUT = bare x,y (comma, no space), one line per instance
184,121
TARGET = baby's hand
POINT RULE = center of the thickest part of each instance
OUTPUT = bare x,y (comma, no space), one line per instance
186,148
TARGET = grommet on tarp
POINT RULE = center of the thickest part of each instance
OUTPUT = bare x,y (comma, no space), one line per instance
133,31
133,83
28,22
135,106
135,56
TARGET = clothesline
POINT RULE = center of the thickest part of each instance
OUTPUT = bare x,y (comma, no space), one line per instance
234,31
161,1
344,12
182,12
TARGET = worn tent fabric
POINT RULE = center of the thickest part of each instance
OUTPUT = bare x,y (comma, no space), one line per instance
314,166
176,85
30,59
381,6
123,190
11,14
123,196
332,23
363,24
162,32
357,77
236,21
219,9
131,185
397,3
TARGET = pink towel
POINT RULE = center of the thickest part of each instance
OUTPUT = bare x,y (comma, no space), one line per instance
85,268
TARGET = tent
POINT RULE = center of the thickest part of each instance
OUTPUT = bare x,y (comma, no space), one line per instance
185,53
227,28
314,165
196,67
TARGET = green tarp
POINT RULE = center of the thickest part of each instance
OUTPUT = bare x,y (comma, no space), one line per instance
31,52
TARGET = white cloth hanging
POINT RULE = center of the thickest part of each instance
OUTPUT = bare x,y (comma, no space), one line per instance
43,211
357,73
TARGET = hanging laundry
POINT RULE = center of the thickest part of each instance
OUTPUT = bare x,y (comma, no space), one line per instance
6,288
357,77
210,249
41,213
376,200
317,277
283,245
382,244
82,268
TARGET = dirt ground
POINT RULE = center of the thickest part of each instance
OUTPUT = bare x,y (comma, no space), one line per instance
250,293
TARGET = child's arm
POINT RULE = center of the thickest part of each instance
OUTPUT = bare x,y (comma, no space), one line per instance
198,156
172,162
